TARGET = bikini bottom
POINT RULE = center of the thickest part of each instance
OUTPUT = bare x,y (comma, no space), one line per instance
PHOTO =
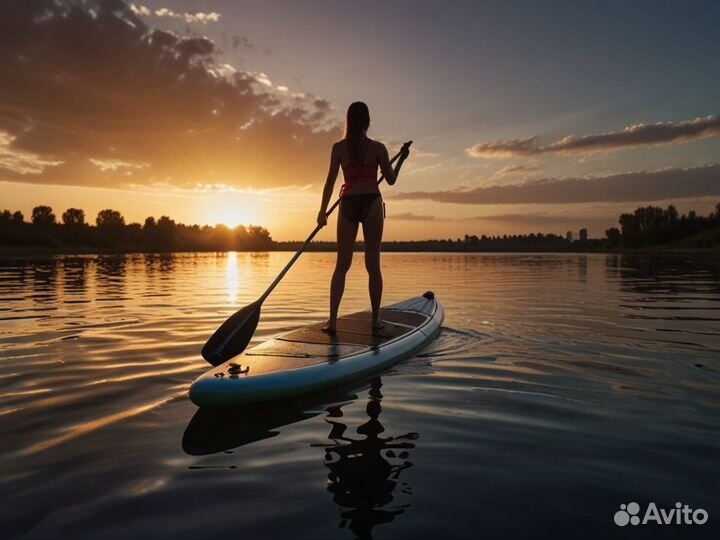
356,207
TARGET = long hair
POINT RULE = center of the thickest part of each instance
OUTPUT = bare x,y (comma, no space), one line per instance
357,122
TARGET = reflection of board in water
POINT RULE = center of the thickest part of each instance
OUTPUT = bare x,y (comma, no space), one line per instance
365,472
215,430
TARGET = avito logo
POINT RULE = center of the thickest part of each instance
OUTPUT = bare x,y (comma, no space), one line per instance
680,515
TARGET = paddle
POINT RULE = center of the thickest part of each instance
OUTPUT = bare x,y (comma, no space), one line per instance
235,333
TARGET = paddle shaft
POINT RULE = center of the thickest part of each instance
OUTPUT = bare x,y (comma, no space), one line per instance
310,238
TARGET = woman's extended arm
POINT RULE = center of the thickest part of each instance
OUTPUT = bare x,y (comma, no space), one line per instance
329,186
385,166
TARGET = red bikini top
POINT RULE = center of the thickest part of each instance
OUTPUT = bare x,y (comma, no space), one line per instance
358,173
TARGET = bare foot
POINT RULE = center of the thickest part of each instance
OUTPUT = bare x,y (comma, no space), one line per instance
329,328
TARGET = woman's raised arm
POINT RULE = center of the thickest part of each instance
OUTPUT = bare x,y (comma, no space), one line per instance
385,166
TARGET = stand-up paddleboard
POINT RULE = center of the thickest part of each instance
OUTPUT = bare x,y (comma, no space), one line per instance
309,359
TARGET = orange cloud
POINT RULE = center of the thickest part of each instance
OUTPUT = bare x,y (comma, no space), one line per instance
512,169
87,84
409,216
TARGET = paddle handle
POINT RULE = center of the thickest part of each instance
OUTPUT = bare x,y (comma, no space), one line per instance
314,233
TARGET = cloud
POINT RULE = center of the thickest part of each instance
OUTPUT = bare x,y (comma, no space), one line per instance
89,80
544,220
196,17
20,162
512,147
322,104
262,79
116,164
635,135
659,185
409,216
512,169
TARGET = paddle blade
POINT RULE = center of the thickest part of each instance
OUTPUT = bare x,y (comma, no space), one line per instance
233,335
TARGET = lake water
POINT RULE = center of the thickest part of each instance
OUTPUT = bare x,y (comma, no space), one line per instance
560,387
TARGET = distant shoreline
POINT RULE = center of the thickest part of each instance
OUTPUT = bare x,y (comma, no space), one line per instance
648,229
9,252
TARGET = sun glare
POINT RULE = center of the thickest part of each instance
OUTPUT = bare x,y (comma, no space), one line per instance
232,217
232,209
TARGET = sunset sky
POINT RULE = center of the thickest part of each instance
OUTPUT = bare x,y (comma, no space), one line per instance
525,116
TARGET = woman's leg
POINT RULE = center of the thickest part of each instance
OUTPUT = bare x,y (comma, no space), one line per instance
346,234
372,231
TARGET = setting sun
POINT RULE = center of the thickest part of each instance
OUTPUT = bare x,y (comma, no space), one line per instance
232,217
231,209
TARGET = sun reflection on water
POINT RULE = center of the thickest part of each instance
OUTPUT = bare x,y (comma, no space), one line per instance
232,277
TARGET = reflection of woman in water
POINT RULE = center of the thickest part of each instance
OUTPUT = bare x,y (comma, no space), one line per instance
360,202
362,474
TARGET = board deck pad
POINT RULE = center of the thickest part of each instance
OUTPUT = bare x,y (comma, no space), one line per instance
349,331
390,315
310,345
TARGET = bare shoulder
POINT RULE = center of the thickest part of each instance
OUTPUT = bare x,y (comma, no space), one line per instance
376,144
338,148
379,148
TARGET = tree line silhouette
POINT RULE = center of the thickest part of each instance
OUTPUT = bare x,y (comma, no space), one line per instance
648,226
110,232
654,226
470,243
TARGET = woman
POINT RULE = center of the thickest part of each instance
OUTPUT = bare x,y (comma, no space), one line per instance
360,202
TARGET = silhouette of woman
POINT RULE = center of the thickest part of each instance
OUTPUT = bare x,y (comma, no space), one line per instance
364,472
360,202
